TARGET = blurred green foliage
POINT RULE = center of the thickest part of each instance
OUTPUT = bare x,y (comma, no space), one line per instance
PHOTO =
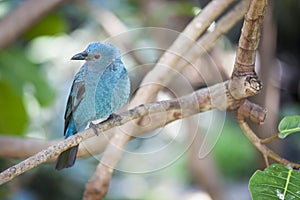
13,116
234,153
54,20
17,76
185,9
18,71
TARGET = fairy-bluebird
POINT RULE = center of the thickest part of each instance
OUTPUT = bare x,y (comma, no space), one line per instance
100,88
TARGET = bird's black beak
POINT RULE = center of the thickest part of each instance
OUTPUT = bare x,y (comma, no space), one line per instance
80,56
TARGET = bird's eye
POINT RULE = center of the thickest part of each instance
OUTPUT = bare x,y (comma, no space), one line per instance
97,56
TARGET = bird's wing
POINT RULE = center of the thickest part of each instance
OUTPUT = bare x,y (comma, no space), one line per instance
75,97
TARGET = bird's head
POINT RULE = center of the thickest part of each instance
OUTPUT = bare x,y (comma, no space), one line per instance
98,51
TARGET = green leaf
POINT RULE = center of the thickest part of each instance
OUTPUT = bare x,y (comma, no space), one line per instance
289,125
13,117
275,182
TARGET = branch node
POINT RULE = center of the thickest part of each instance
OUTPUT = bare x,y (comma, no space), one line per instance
251,111
241,87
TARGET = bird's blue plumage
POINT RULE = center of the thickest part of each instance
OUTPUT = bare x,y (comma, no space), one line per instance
100,88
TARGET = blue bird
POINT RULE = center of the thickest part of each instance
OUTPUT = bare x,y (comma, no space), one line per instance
100,88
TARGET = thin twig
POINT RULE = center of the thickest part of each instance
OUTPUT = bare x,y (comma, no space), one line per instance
269,139
262,148
266,160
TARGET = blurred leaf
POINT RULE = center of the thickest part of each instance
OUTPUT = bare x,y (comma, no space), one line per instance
185,8
275,182
49,25
175,9
18,71
13,117
232,147
289,125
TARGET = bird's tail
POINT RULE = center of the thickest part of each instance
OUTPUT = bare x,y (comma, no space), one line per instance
66,158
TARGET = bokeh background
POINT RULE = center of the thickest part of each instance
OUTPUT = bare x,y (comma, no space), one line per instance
36,74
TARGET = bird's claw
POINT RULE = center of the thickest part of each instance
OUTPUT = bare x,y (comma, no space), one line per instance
94,127
113,116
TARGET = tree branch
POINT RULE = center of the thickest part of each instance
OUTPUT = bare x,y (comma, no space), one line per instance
208,40
214,97
268,153
251,111
229,95
244,65
162,76
249,39
20,148
97,187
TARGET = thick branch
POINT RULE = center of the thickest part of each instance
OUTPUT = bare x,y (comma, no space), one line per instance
251,111
208,40
97,187
249,39
214,97
23,17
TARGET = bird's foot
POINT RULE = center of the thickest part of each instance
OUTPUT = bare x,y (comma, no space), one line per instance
94,127
113,116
